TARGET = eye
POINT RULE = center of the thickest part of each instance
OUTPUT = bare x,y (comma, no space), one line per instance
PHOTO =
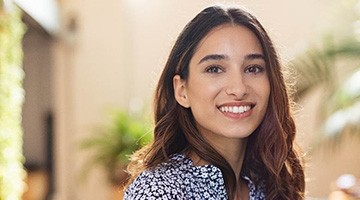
214,69
254,69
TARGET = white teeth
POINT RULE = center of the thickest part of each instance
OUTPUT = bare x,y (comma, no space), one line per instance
241,109
235,109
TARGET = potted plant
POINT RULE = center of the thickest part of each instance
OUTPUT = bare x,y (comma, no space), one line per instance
112,144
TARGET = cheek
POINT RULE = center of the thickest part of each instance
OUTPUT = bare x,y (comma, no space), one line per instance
267,90
264,92
203,90
262,89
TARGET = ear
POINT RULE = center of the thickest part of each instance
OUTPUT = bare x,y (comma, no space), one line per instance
180,91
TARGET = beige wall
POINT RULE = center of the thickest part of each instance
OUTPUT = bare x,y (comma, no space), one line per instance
38,94
115,55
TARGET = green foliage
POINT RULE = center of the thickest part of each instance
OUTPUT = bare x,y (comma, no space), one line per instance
111,145
11,99
332,66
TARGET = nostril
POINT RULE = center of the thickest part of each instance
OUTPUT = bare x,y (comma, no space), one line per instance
239,93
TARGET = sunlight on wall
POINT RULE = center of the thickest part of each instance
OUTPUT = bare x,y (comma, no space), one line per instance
44,12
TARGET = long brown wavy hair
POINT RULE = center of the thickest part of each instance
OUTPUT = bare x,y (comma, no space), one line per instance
270,158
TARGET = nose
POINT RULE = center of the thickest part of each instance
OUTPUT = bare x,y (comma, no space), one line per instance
236,86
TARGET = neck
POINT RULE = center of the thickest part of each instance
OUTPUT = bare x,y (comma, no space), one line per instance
233,150
234,153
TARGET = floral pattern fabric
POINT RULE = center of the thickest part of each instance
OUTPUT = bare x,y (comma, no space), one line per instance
181,179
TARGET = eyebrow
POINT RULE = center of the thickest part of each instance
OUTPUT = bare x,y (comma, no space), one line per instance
252,56
213,57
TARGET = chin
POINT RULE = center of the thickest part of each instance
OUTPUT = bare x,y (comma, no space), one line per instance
237,135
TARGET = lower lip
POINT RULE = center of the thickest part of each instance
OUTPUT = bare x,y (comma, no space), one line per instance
237,115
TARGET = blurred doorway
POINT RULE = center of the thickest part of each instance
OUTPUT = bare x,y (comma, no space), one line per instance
37,110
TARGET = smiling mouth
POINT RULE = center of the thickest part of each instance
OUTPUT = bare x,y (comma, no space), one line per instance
236,109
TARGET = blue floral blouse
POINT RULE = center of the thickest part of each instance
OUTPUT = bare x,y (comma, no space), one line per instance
181,179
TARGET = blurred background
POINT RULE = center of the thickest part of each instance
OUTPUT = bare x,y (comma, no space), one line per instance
90,69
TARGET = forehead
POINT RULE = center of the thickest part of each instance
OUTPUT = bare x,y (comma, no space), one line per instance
229,38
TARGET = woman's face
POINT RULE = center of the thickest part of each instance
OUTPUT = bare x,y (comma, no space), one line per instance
228,88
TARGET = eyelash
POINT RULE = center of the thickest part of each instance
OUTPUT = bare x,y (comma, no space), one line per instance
211,69
258,69
250,69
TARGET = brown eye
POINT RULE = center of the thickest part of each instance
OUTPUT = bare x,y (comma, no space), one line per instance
214,69
254,69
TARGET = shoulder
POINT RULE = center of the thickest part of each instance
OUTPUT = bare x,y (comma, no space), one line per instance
164,181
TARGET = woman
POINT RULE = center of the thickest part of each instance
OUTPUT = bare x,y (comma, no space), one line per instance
223,128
